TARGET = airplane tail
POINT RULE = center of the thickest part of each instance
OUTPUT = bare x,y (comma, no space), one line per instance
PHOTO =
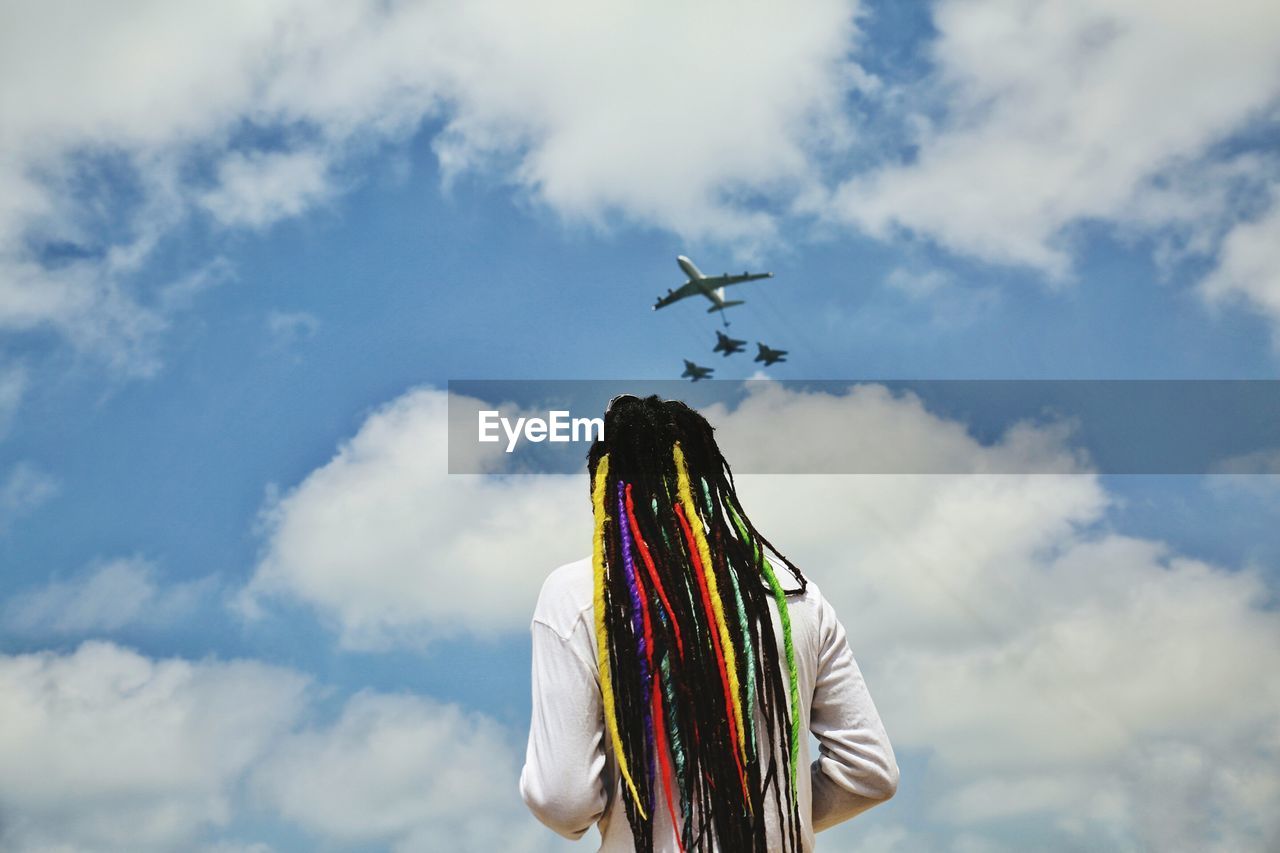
726,304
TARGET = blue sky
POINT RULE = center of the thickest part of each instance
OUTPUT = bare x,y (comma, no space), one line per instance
244,249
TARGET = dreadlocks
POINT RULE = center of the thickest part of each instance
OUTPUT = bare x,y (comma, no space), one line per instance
685,640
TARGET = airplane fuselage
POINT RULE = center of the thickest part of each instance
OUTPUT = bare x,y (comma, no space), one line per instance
689,268
715,294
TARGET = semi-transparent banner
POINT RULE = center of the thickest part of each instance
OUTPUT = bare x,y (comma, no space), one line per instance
929,426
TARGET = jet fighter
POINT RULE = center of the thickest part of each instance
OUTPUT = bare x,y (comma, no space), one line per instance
693,372
769,356
727,345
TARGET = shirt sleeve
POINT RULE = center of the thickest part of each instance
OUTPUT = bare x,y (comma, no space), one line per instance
561,782
856,767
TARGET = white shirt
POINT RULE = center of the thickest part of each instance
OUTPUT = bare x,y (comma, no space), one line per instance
570,780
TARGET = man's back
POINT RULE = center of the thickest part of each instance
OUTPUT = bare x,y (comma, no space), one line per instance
570,780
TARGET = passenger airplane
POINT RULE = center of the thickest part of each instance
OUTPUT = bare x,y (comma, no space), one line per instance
769,356
711,287
727,345
693,372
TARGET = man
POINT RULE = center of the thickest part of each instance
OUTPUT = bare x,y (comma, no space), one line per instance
675,671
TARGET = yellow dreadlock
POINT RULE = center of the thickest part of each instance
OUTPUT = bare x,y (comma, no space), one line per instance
602,642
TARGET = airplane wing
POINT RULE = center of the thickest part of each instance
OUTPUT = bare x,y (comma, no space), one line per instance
689,289
722,280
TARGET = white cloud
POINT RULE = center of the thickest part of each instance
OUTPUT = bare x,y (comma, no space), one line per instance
1038,117
385,543
1056,114
879,839
591,109
918,283
1050,669
105,597
861,836
257,189
24,489
371,538
1104,685
1248,267
237,847
288,328
103,749
180,294
632,109
13,386
1254,475
404,771
872,428
1256,463
938,302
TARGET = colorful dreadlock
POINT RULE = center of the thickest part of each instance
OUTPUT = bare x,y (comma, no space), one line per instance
781,597
606,681
691,676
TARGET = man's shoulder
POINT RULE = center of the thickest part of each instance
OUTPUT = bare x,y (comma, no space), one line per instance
565,596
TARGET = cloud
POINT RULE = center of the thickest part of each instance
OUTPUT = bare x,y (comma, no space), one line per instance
13,386
1101,688
288,328
1035,119
104,749
24,489
1038,117
258,189
369,539
1248,268
105,597
779,430
662,130
180,294
250,114
374,538
403,771
918,283
237,847
936,300
896,838
1104,686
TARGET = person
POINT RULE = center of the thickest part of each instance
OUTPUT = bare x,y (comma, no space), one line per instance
676,670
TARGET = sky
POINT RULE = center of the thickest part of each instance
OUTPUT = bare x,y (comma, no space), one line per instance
245,246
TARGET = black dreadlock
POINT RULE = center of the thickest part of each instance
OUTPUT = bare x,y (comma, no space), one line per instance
688,652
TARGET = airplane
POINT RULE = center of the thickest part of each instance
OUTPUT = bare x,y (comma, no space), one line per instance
710,286
769,356
727,345
693,372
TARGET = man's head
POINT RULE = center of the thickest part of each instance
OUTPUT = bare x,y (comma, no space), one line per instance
639,434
